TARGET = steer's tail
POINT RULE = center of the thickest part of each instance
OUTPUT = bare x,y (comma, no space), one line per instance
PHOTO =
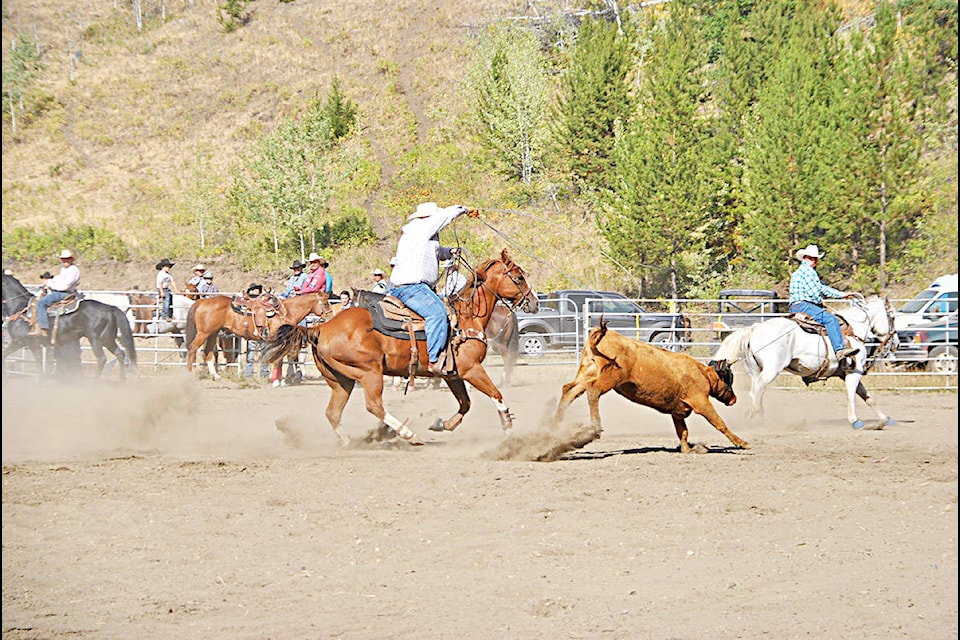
735,346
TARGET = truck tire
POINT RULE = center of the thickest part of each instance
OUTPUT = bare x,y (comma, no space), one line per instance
666,340
942,359
533,343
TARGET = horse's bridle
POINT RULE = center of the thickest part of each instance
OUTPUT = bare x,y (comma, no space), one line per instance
886,346
518,277
16,315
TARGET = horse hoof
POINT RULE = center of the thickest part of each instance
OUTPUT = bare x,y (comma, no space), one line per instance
437,426
858,424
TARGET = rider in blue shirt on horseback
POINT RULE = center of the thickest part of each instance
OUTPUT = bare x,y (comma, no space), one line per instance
807,292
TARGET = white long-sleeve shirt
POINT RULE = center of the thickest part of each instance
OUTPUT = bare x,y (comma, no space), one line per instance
419,250
67,280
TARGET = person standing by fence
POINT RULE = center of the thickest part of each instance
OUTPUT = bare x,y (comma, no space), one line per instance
166,287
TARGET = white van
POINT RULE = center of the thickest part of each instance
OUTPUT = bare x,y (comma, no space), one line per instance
934,302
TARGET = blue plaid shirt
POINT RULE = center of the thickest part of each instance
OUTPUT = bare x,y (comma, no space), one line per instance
805,285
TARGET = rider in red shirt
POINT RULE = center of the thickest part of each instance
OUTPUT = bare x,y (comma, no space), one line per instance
317,279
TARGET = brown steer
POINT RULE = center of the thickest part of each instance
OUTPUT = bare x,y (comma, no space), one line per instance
672,383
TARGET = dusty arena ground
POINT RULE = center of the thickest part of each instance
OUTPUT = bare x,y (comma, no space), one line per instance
175,508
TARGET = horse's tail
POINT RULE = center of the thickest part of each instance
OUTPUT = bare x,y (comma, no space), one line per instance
735,346
288,340
126,336
190,333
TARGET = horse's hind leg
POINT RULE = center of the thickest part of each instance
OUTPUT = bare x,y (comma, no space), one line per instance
372,383
120,355
210,355
339,394
760,380
97,347
885,420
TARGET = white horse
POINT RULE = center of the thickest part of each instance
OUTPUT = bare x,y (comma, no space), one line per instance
119,300
779,344
144,308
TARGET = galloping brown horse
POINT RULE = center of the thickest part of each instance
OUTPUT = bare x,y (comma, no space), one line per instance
347,348
208,316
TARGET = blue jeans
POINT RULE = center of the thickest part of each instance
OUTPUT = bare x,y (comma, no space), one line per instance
167,311
255,348
46,301
422,299
825,318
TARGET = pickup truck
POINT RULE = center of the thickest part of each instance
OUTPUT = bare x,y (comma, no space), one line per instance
737,308
560,321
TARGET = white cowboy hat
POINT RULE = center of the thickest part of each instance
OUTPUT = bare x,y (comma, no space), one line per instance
313,257
377,272
200,267
424,210
66,254
811,250
393,261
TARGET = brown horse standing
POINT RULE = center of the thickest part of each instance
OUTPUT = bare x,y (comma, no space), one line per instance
347,348
208,316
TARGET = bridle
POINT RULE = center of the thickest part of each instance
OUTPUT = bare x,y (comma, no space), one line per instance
518,277
886,346
8,303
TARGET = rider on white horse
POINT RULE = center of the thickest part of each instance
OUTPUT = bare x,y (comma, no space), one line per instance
807,292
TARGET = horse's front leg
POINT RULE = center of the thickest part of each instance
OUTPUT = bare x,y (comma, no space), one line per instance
459,389
478,377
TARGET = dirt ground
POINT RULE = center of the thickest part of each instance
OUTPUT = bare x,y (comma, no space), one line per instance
171,507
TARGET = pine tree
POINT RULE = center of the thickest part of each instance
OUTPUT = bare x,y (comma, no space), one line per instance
665,166
790,145
884,160
594,100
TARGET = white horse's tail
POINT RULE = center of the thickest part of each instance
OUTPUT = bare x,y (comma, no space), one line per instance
735,346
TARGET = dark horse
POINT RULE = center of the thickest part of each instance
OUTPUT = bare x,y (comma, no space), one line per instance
208,316
503,334
99,323
348,349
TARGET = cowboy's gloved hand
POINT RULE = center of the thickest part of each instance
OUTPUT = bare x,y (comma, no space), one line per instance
473,213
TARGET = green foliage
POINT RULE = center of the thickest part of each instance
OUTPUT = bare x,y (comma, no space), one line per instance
89,242
352,229
883,154
666,178
594,100
23,66
509,83
339,112
793,181
232,14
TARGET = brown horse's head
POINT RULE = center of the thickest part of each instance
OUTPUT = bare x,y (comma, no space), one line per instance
508,282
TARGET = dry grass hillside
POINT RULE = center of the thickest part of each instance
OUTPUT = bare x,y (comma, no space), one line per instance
133,112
